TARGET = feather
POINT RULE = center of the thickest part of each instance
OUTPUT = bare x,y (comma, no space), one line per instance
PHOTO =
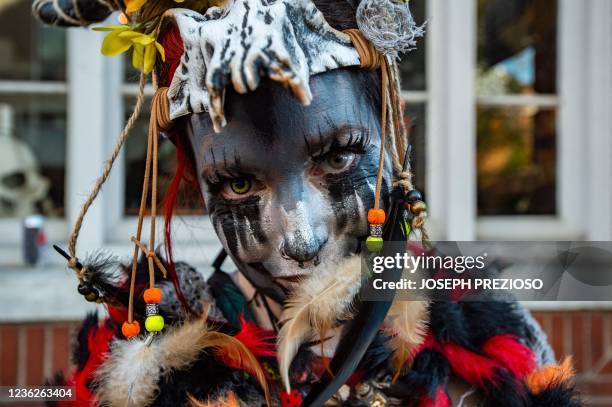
318,303
229,401
407,323
259,341
131,374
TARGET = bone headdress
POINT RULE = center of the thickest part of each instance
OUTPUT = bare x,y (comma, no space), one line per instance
245,41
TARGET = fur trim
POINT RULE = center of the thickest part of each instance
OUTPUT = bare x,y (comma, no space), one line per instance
550,376
131,374
315,307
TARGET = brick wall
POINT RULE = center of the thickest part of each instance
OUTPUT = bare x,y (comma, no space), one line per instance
29,353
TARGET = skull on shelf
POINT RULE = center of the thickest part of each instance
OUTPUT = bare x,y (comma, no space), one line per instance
21,185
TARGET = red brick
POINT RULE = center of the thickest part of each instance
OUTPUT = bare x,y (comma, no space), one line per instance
9,348
578,334
596,338
35,355
556,337
596,388
61,348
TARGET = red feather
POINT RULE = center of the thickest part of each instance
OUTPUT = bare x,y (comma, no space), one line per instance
98,341
259,341
511,354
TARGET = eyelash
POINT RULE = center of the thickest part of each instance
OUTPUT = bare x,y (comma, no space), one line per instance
356,146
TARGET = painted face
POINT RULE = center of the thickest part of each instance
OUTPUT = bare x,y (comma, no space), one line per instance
287,186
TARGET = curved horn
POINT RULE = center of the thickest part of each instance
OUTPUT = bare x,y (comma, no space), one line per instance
72,13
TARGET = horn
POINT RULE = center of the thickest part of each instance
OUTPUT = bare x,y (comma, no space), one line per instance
73,13
370,315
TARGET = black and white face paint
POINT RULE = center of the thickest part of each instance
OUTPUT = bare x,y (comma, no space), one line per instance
288,187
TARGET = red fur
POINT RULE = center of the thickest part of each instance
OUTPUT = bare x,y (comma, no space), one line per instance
441,399
98,341
511,354
173,46
260,342
168,208
473,368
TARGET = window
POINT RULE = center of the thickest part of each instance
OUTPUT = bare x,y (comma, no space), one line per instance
32,115
516,84
414,84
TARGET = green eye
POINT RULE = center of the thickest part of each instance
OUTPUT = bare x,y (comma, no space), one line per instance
240,186
339,161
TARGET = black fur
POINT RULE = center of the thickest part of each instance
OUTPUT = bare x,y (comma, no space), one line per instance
428,372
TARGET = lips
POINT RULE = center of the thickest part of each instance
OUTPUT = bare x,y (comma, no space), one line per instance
290,283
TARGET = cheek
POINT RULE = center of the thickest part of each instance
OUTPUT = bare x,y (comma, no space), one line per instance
352,194
241,227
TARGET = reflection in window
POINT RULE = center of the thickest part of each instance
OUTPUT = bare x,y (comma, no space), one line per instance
412,65
415,123
516,161
32,155
516,153
28,50
517,51
188,202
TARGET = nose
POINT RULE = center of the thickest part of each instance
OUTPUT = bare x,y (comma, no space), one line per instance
304,224
301,248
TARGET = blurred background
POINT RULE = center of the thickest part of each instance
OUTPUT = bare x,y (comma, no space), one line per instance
509,103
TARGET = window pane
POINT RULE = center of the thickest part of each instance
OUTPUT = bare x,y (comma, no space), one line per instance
188,199
516,161
32,155
517,51
27,49
412,65
415,123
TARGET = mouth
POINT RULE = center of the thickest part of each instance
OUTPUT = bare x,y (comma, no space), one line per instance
289,283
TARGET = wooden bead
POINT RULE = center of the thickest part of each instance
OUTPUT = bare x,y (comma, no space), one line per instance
85,288
376,216
153,296
130,330
418,207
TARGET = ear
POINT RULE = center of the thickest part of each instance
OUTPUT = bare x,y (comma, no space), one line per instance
72,13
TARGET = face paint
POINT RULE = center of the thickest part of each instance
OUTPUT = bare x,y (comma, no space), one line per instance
287,186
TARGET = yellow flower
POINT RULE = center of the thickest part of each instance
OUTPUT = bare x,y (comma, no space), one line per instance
135,5
122,37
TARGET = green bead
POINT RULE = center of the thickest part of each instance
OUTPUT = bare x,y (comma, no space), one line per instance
374,244
154,323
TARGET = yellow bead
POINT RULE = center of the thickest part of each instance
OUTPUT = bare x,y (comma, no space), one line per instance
374,244
154,323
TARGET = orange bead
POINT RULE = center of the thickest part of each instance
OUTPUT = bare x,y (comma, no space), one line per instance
153,296
376,216
130,330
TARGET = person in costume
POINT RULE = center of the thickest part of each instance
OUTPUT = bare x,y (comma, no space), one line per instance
286,116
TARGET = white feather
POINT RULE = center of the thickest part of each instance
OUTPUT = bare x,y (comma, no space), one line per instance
130,374
318,303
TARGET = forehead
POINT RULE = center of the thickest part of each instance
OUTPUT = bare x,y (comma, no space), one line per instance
270,118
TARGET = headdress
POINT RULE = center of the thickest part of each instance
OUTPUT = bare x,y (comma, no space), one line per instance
237,43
